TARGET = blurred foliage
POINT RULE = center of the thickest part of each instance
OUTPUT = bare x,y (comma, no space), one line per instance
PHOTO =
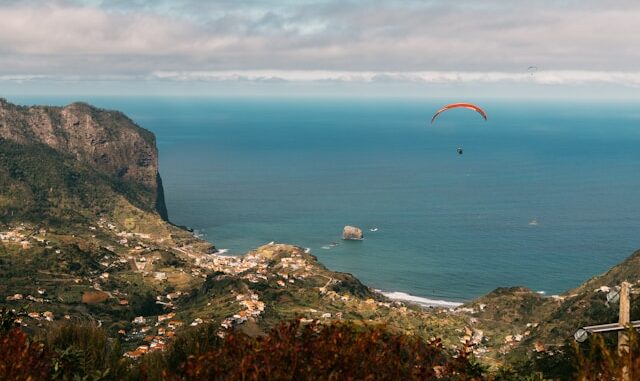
23,359
292,351
599,360
7,320
82,348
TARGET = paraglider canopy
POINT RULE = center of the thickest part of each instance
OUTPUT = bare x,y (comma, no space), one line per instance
460,105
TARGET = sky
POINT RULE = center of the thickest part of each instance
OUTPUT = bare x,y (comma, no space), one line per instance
428,47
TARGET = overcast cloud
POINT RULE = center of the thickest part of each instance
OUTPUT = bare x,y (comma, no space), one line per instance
365,41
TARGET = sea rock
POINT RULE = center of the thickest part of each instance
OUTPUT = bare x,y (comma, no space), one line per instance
352,233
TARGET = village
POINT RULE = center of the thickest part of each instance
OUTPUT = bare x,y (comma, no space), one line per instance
140,253
282,266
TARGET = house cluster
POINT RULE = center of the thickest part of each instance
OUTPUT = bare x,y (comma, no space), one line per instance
154,332
253,308
472,336
257,267
145,264
17,236
37,316
142,253
46,315
513,339
133,240
31,298
474,339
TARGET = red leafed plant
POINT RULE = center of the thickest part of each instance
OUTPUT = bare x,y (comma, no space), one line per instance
327,352
22,359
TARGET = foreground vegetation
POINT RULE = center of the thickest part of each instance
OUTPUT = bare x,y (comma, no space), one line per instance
290,351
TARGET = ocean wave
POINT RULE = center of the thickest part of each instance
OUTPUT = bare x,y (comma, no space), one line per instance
425,302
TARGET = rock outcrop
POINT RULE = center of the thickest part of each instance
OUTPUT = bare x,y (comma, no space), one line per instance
352,233
108,141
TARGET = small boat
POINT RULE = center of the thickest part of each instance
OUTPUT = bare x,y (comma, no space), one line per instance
533,222
373,229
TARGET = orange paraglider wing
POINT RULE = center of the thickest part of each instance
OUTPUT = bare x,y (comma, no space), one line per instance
460,105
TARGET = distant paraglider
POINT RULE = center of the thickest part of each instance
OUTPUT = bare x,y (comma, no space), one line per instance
468,106
532,70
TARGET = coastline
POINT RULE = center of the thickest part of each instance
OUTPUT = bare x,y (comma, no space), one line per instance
393,295
421,301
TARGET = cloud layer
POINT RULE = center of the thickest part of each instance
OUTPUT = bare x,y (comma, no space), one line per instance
428,41
561,77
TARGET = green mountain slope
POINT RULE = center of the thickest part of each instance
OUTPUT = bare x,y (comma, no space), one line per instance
518,322
40,184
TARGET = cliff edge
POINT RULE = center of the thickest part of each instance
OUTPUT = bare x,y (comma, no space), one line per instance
107,141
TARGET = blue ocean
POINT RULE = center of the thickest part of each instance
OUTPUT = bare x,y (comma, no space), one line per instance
546,194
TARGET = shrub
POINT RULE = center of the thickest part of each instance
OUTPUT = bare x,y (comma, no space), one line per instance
22,359
144,304
596,359
192,342
83,349
326,352
7,320
600,361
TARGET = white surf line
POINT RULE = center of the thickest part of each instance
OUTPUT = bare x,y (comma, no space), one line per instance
425,302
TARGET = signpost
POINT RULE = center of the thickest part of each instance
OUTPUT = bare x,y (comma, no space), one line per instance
624,321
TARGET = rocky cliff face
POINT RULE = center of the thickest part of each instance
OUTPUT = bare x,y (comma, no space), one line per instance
108,141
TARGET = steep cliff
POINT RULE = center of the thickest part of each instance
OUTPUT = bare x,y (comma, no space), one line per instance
106,141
